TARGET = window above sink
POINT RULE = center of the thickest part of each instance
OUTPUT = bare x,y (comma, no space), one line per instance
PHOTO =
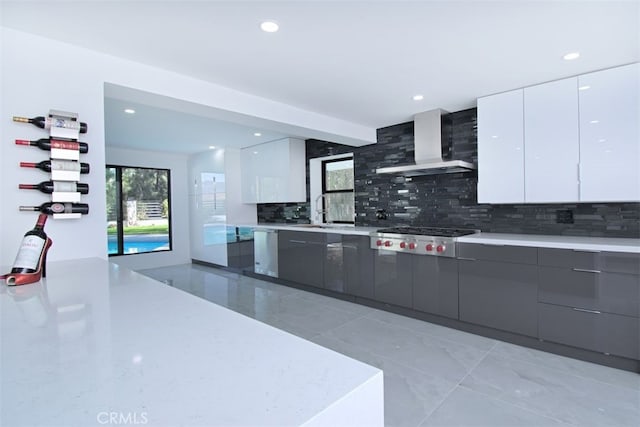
332,190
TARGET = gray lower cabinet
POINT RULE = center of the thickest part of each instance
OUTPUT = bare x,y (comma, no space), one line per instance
393,278
590,329
590,300
590,289
497,293
333,259
240,254
435,285
357,265
300,257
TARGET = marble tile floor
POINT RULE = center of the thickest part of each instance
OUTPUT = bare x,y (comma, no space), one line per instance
433,375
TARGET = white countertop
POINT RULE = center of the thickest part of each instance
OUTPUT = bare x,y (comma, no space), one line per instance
610,244
561,242
332,228
95,339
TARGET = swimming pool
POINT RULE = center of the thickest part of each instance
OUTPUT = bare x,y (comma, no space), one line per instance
140,243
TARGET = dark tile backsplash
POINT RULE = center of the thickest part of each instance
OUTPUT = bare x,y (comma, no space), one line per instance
449,200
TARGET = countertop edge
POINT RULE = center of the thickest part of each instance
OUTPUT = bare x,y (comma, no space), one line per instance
361,231
609,244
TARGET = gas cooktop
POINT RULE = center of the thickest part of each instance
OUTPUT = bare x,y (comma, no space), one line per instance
428,231
419,240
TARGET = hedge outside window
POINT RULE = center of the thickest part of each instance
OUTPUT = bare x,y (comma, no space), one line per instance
138,210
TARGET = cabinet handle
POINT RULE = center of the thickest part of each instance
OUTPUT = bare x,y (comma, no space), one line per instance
587,251
466,259
584,310
584,270
297,241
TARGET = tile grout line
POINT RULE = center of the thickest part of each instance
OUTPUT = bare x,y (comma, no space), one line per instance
502,400
436,336
457,385
553,368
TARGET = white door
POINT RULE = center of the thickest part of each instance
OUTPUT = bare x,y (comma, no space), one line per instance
609,136
501,148
551,142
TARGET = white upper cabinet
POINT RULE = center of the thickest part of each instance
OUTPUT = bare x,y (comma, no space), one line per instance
551,142
609,136
571,140
274,172
501,148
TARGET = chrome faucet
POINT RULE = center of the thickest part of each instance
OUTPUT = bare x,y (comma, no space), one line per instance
320,211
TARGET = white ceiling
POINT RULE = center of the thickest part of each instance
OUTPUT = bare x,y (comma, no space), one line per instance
360,61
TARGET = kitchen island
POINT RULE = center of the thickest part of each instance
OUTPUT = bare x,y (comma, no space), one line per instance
96,344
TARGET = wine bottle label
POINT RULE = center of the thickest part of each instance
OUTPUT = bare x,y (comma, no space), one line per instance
62,123
65,165
64,145
29,253
60,207
63,186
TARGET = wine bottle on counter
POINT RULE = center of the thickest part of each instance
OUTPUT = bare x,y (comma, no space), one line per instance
49,143
58,165
49,187
46,123
31,262
51,208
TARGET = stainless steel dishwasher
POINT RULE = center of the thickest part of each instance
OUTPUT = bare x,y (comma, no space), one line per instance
265,245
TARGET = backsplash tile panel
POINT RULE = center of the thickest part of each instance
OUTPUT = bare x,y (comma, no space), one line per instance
450,200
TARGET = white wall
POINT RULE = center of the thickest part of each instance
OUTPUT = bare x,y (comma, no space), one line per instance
39,74
177,163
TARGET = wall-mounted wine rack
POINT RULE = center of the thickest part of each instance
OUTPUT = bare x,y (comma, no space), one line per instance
63,165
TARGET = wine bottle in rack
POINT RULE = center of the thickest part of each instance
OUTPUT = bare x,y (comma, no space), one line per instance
51,208
46,123
49,187
31,261
49,143
60,165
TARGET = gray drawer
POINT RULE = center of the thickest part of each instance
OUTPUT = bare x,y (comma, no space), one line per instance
614,262
303,236
603,332
610,292
514,254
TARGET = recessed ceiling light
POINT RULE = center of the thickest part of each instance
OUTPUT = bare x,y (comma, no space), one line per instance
129,111
571,56
257,134
212,147
269,27
418,97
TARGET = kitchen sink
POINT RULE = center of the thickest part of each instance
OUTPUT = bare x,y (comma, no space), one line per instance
339,226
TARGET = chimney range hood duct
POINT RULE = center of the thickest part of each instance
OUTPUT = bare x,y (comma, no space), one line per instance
427,132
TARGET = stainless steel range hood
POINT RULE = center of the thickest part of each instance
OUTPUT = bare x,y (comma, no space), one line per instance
427,132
